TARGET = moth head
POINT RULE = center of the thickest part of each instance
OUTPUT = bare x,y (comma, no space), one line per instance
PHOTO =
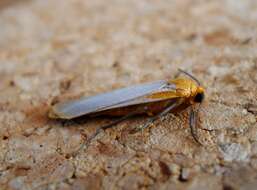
199,95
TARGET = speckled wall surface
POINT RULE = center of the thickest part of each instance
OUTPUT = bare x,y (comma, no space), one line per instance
52,50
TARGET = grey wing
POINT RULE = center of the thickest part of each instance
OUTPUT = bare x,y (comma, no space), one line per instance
117,98
141,99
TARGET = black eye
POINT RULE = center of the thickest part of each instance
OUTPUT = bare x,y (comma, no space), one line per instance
199,97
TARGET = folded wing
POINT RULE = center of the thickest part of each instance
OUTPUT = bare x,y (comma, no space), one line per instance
118,98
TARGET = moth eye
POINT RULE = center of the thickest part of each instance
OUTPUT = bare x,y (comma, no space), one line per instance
199,97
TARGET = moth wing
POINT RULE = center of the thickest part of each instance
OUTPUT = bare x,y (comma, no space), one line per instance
136,101
120,97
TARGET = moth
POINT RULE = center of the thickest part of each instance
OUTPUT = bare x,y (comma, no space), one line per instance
154,99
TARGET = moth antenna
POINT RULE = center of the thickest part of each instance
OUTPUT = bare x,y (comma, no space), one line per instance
191,76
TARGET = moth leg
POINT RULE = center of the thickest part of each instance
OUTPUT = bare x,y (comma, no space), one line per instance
192,124
87,142
154,118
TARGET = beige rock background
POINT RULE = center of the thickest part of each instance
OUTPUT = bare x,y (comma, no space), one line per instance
52,50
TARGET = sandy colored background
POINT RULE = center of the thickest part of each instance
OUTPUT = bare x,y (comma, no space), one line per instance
52,50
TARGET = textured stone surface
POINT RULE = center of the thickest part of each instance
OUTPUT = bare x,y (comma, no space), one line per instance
57,50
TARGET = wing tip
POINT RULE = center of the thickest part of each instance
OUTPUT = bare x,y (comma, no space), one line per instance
54,113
